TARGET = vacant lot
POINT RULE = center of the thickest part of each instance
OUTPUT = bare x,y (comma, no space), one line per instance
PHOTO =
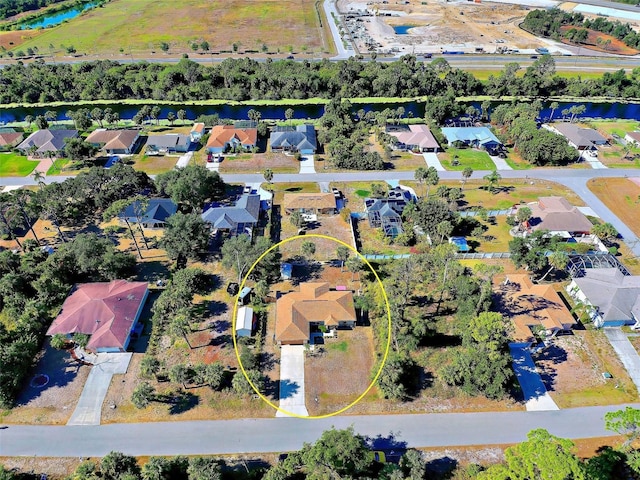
467,157
259,162
622,197
601,42
141,26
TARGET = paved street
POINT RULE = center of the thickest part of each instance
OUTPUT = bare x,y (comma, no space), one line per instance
286,434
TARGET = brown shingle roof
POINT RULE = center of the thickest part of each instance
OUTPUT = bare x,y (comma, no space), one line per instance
313,303
318,201
198,127
530,304
556,214
113,139
10,138
221,135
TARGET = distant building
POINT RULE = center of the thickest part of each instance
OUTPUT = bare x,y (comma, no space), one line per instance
578,137
315,305
9,138
478,137
236,220
223,137
107,311
44,142
196,133
116,142
413,137
310,203
169,143
287,139
612,298
153,216
633,137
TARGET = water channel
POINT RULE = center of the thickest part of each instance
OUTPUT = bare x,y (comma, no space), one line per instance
57,18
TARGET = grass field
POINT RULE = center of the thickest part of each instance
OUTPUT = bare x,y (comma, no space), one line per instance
12,165
621,196
140,26
467,157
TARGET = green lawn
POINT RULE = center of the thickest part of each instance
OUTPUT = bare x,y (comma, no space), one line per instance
467,157
619,127
13,165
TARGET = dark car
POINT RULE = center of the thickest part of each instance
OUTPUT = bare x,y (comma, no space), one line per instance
534,56
290,57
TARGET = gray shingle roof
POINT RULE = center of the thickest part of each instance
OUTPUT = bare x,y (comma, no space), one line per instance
617,296
246,210
303,137
158,210
47,140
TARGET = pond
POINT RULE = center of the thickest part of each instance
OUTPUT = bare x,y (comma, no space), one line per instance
402,29
57,17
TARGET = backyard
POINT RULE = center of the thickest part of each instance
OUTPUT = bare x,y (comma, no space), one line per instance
14,165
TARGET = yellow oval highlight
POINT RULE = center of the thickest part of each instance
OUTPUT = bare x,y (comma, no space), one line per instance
387,347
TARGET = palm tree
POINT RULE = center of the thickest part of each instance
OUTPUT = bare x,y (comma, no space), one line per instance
342,253
466,175
268,176
432,178
494,179
420,174
182,114
554,106
558,260
39,177
288,113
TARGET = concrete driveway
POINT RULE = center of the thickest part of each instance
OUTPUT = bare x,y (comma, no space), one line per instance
89,408
307,165
535,393
626,353
432,160
184,160
292,381
500,163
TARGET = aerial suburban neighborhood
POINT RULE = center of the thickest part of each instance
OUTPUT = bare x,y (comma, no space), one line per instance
319,239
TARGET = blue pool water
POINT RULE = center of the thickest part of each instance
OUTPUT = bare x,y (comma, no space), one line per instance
57,17
402,29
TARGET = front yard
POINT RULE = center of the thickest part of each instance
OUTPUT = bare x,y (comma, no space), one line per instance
14,165
466,157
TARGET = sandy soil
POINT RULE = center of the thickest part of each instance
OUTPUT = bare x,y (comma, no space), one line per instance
439,25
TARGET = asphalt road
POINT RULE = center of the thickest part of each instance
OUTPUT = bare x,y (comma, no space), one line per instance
286,434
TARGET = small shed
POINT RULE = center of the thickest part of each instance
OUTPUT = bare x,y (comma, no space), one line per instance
245,322
243,298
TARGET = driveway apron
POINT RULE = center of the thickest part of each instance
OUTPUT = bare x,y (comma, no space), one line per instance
292,381
535,393
626,353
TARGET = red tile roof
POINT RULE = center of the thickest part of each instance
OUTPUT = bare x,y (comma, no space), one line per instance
104,310
221,135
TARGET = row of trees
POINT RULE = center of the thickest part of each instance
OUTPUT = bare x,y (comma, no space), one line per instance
9,8
245,79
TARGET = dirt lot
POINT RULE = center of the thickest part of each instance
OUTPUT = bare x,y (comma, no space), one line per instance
258,162
621,196
439,25
615,46
342,373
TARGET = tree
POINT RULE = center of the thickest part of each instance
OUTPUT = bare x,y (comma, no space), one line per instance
213,375
296,219
179,373
191,186
558,260
466,175
155,113
81,118
493,180
337,454
420,174
50,115
182,114
97,114
143,395
80,339
185,237
29,120
430,213
431,178
202,468
116,465
171,117
268,176
204,46
604,231
59,341
444,229
542,457
342,253
288,114
240,384
149,366
624,422
164,46
354,265
115,210
554,106
308,249
240,254
523,215
78,149
41,122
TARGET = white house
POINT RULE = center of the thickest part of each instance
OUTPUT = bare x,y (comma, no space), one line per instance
633,138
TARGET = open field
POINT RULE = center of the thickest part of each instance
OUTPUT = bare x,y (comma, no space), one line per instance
621,196
466,157
12,165
140,26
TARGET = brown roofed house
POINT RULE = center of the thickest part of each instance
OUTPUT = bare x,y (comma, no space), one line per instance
633,137
107,311
315,304
10,139
196,132
310,203
121,142
556,214
228,136
530,305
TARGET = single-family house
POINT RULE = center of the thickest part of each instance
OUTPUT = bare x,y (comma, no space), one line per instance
169,143
288,139
610,297
578,137
225,137
299,313
385,213
239,219
9,138
116,142
633,138
152,215
106,311
558,216
197,131
245,322
532,306
42,143
310,203
478,137
413,137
